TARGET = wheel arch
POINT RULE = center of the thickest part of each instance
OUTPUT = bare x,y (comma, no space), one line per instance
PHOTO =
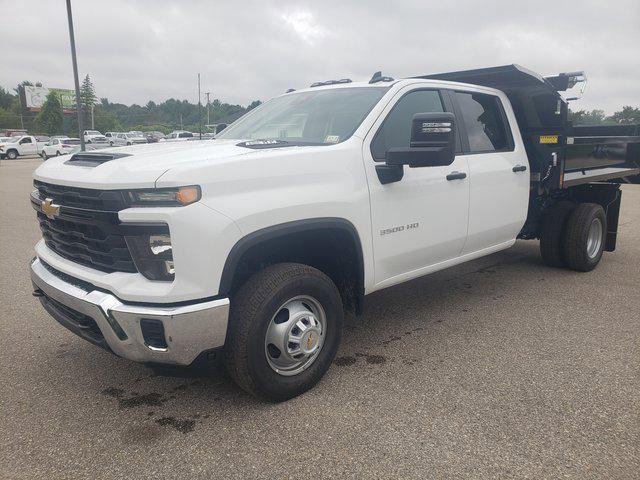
323,238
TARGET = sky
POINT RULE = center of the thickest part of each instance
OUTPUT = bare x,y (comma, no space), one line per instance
141,50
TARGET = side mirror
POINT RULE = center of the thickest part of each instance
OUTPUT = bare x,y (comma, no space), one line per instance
432,142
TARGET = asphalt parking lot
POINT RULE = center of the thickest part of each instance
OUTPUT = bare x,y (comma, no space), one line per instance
500,368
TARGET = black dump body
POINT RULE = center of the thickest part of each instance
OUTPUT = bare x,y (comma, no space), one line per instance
581,163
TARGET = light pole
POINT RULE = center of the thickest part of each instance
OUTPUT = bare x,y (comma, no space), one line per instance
75,75
199,110
207,94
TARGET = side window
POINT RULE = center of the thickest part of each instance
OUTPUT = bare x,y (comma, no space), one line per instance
25,140
395,131
483,119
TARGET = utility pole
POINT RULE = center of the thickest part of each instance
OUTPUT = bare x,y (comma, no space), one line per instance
207,94
199,110
92,123
75,74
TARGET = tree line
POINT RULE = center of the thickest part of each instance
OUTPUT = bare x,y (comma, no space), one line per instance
174,114
166,116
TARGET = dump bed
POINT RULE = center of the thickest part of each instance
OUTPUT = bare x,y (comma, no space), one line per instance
601,150
560,155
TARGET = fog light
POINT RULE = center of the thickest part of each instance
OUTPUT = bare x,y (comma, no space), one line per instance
153,255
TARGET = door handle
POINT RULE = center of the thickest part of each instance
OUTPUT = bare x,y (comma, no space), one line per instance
519,168
456,176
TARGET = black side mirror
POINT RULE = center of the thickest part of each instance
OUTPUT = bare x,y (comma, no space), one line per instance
432,142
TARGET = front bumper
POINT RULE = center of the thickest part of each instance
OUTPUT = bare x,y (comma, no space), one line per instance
101,318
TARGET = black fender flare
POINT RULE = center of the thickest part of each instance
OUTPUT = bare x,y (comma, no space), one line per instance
283,229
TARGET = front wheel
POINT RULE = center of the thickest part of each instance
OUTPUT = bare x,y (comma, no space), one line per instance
12,154
44,155
284,331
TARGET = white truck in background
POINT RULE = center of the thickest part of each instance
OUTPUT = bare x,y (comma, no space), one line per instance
254,244
22,145
91,136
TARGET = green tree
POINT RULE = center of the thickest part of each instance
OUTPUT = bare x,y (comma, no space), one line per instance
5,98
88,99
628,115
106,121
88,93
50,118
584,117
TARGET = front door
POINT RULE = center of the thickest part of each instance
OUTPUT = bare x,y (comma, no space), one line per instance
27,147
421,220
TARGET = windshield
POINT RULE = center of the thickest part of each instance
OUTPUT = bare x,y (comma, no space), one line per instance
13,139
93,132
320,117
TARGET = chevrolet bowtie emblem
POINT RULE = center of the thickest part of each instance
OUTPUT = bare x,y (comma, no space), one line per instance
50,209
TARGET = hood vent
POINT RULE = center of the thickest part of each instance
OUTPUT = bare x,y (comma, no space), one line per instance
86,159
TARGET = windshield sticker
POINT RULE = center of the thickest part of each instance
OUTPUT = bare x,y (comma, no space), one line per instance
332,139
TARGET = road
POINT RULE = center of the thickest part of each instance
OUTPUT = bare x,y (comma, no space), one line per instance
500,368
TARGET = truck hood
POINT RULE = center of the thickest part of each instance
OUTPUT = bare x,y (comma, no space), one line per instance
140,168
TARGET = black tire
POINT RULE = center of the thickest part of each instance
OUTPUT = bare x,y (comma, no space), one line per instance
44,155
12,154
576,239
58,154
554,222
252,310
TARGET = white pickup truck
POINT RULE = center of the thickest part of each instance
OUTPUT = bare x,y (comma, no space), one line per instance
253,245
15,147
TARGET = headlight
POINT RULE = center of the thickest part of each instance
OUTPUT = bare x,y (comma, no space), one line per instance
164,197
153,255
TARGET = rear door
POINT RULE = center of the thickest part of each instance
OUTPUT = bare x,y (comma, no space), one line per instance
421,220
498,171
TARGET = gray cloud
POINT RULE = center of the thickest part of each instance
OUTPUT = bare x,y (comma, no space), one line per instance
152,50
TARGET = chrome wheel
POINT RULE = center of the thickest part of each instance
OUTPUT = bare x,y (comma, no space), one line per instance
295,335
594,239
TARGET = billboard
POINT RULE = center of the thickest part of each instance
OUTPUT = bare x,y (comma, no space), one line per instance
34,97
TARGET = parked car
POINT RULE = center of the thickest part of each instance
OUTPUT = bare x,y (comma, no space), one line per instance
99,140
178,136
153,137
91,135
110,136
128,139
254,245
59,146
20,146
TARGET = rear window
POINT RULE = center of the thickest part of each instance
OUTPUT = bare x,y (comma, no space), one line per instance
484,121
